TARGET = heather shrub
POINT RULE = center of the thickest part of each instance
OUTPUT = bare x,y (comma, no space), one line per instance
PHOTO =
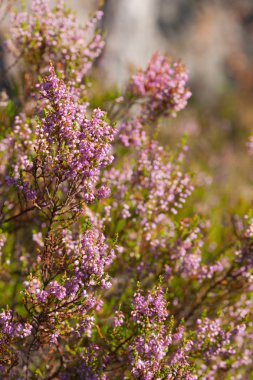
105,274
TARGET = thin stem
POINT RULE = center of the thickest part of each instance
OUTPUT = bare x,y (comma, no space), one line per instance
18,215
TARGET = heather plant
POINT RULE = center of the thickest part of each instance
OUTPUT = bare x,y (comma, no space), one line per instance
42,34
105,274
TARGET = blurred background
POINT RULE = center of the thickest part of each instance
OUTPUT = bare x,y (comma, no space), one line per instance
215,41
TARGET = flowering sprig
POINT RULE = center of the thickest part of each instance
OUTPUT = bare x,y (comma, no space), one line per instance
161,86
43,35
61,151
61,154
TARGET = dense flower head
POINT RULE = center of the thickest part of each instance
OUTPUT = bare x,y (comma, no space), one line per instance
158,350
96,256
153,306
70,143
56,290
62,142
162,87
42,35
148,354
9,326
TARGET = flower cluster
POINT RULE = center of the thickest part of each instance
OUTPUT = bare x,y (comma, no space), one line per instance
70,145
11,328
162,87
43,35
62,142
153,306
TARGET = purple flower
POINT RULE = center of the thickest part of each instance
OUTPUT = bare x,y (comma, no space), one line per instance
56,290
43,35
162,87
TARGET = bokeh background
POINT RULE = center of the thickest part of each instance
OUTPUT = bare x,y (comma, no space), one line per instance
215,41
